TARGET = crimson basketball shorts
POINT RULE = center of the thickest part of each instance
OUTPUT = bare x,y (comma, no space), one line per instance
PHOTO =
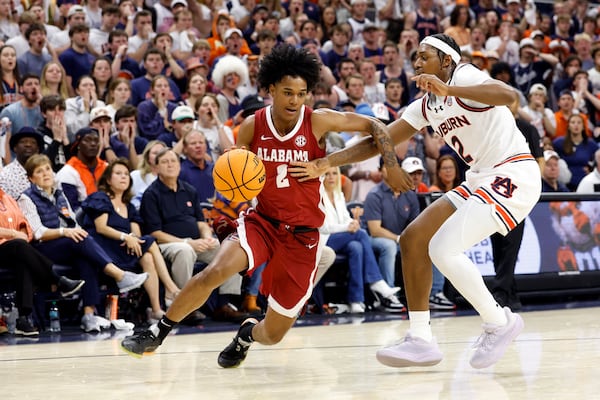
291,257
511,188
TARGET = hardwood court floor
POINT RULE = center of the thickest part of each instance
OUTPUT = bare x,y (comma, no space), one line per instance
556,357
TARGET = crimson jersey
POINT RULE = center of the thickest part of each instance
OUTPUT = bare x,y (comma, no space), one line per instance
284,198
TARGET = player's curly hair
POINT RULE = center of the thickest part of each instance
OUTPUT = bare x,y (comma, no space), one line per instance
286,60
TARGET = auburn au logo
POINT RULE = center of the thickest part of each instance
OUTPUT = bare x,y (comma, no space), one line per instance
504,186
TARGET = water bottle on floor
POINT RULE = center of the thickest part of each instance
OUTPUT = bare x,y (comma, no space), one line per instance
54,318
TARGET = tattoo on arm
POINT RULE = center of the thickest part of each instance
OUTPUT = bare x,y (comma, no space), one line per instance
384,144
361,151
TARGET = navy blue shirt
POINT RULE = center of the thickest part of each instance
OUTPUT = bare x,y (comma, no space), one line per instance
121,149
200,179
174,212
395,213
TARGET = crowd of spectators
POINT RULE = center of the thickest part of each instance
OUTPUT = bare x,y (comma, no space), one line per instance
158,88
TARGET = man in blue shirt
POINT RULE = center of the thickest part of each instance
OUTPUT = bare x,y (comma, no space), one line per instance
196,168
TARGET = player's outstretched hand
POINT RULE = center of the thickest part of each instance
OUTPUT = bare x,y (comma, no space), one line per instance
304,171
399,180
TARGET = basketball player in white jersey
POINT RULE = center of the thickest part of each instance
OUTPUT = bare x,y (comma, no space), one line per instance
469,110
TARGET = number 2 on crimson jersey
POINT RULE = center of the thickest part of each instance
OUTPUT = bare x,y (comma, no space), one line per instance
282,180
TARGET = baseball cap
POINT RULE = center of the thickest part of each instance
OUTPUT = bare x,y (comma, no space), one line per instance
75,9
182,2
412,164
558,44
526,42
512,1
539,88
353,2
370,26
548,154
492,54
536,33
27,131
182,112
99,112
252,103
230,32
193,63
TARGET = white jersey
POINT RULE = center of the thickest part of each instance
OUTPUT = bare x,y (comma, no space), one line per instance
483,135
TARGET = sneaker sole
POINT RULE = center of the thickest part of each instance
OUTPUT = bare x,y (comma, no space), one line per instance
130,288
518,328
396,362
26,334
136,355
74,290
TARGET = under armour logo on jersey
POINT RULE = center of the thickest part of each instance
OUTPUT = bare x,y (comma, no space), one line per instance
504,187
438,109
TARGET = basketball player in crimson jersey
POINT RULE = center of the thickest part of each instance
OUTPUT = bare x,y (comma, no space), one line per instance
469,110
283,229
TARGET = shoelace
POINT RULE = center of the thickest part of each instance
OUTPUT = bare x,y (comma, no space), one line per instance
486,340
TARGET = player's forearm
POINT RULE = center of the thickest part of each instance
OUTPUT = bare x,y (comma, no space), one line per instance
384,144
363,150
492,93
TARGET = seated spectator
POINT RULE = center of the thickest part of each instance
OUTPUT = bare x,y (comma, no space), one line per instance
196,89
343,234
172,214
387,214
550,182
13,178
446,174
182,122
53,129
121,65
102,77
229,72
100,120
564,175
536,112
154,63
32,270
77,59
576,149
79,177
146,171
154,114
115,224
125,142
414,167
591,182
119,93
33,61
566,108
54,80
219,137
58,236
25,112
77,114
197,167
9,72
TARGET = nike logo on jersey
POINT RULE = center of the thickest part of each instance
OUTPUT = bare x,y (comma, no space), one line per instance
311,246
263,137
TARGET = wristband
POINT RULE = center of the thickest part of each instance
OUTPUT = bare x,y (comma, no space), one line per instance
122,237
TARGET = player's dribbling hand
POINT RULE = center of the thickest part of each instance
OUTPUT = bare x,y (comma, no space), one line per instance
304,171
431,83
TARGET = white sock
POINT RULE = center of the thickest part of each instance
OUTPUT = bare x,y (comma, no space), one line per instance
419,325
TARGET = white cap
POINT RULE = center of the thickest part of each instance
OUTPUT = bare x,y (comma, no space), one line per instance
231,31
537,33
526,42
412,164
353,2
548,154
512,1
99,112
182,112
184,2
75,9
538,87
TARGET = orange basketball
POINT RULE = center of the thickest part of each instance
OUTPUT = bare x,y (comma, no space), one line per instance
239,175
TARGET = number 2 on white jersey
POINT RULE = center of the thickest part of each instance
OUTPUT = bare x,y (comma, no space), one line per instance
282,180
